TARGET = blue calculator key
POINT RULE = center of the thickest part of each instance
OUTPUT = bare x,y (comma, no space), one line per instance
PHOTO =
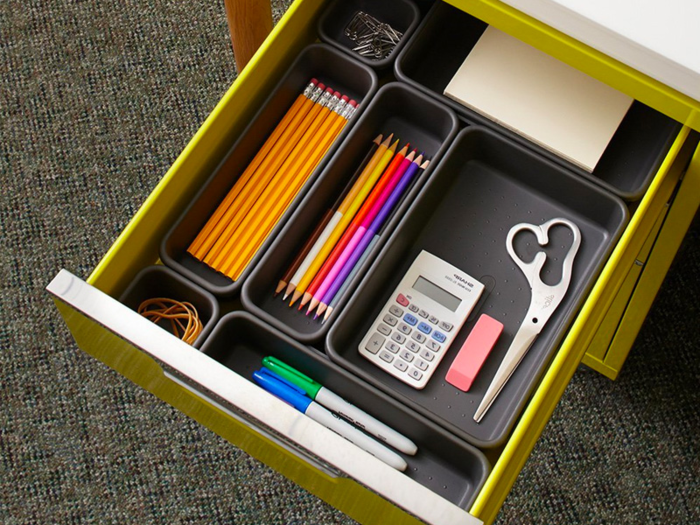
439,336
425,328
410,319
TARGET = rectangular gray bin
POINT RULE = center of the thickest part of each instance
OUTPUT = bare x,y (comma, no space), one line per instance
484,186
445,464
444,39
397,108
331,67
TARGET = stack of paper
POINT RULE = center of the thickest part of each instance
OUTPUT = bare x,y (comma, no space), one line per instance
539,97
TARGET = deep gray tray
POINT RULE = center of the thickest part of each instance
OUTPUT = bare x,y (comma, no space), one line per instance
329,66
484,185
446,465
442,42
398,108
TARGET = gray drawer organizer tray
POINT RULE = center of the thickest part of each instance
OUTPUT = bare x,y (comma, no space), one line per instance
328,65
484,185
442,42
397,108
445,464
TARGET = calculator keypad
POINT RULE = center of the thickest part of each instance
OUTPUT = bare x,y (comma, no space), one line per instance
410,343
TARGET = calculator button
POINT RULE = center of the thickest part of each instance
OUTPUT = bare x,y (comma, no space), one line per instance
413,346
401,365
410,319
423,314
375,343
392,347
439,337
404,329
421,365
427,355
447,327
390,320
415,374
401,299
413,308
432,345
395,310
417,336
383,329
433,319
425,328
406,356
399,338
386,356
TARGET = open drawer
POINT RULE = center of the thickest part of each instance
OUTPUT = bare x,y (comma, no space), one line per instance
221,399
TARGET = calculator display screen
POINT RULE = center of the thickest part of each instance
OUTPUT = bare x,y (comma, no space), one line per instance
445,298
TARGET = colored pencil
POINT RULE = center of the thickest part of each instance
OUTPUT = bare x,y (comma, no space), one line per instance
298,259
361,261
250,194
371,206
223,253
258,231
290,122
345,214
363,236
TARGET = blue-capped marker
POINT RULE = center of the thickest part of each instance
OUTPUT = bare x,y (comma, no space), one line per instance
337,404
296,397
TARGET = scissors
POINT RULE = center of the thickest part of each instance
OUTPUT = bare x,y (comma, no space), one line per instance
544,300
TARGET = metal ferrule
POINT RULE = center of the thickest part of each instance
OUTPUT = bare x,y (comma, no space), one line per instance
327,99
316,94
348,112
340,107
309,90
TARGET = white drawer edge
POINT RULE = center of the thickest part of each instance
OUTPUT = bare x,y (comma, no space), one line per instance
261,406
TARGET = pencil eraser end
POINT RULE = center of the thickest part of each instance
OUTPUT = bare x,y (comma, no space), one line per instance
321,86
314,81
329,90
474,352
353,103
344,97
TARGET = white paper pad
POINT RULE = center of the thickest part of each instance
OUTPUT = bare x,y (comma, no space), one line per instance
539,97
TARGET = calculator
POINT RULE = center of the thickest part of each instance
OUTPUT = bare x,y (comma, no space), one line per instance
416,326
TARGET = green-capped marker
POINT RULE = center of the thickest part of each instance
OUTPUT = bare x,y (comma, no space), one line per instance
295,377
334,402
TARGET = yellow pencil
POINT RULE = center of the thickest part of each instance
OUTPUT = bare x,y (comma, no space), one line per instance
340,211
249,247
250,194
230,241
288,123
343,223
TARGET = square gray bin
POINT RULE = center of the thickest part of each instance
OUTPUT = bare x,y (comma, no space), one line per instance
485,185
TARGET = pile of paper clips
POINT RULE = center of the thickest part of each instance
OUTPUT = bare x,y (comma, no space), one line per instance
374,39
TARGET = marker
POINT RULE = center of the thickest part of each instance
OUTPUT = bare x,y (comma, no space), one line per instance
296,397
337,404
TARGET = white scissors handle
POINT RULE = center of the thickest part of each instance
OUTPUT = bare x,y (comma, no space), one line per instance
544,300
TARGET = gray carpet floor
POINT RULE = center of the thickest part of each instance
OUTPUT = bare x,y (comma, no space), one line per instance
96,101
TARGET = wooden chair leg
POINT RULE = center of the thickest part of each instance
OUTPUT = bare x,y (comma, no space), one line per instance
249,21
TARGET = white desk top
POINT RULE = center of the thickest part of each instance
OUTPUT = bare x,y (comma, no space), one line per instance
660,39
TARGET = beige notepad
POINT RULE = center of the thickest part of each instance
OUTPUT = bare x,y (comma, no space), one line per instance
539,97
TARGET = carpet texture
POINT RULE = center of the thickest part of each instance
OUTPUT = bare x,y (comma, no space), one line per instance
97,99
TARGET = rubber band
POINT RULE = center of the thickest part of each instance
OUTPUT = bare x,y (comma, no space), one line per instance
183,316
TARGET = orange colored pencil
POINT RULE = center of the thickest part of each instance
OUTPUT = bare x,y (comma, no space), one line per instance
250,194
230,243
339,119
288,123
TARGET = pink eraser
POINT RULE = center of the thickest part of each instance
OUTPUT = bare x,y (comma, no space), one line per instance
474,352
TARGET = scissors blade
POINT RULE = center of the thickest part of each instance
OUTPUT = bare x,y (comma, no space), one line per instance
522,342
